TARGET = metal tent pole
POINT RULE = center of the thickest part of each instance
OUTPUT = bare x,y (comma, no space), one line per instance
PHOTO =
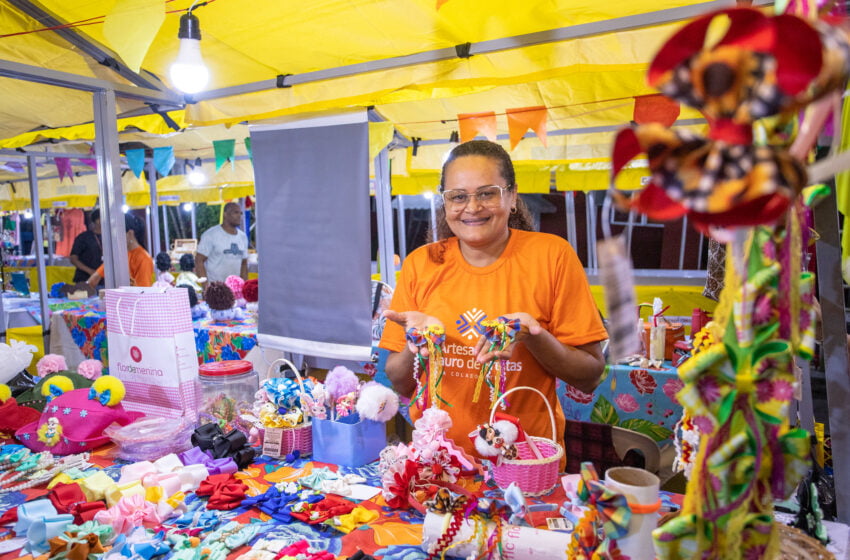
116,267
570,211
165,227
831,291
433,217
48,231
194,222
38,242
402,227
384,207
156,246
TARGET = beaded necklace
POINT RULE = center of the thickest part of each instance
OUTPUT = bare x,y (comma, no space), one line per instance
43,471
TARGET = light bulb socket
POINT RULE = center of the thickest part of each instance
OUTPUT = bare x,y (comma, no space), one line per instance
198,162
190,27
454,138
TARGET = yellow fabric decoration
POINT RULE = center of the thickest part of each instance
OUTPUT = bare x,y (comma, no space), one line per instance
176,499
116,492
154,494
96,486
350,521
131,27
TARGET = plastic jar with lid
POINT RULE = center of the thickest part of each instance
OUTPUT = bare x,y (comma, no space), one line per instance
229,388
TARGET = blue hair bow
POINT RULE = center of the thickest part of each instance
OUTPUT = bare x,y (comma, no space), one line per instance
102,398
54,392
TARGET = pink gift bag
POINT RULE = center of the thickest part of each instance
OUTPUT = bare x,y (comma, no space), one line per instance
152,350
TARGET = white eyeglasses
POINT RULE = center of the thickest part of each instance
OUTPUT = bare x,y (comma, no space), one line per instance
489,196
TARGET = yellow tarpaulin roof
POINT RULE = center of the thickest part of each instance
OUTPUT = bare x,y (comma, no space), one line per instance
586,82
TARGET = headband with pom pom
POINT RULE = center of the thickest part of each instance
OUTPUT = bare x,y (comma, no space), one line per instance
55,386
251,291
50,363
235,283
218,296
90,369
107,390
377,402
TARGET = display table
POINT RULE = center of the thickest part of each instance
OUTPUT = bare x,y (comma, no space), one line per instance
79,333
643,400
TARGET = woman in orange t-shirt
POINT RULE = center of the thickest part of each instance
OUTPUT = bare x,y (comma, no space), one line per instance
487,264
138,259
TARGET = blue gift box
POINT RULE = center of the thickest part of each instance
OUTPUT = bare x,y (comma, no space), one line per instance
349,441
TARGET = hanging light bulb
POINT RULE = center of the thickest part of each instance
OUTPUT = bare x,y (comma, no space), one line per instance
28,214
188,72
196,176
187,206
125,208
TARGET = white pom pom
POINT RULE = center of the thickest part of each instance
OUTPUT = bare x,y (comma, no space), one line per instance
507,431
377,402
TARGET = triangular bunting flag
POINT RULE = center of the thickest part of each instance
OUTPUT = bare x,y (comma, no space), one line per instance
63,167
440,3
224,150
473,124
131,27
520,120
163,159
136,161
655,109
248,147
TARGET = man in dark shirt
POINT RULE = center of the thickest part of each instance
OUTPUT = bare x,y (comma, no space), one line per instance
87,252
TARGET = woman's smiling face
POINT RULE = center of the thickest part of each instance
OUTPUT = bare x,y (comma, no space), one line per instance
478,224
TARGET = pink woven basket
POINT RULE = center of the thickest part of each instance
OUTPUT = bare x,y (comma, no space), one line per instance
298,438
534,476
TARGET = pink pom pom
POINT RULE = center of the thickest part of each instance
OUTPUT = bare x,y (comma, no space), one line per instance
90,369
235,284
50,363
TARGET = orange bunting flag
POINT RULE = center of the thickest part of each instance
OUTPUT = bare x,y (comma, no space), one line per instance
440,3
520,120
655,108
473,124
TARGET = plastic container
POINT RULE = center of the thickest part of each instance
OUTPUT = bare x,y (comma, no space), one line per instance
228,388
349,441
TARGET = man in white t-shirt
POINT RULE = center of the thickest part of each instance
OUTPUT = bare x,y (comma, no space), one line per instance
223,250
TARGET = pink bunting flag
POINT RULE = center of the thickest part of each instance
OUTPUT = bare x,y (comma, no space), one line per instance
63,167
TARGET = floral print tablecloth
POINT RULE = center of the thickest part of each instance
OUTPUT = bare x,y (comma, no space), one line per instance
214,340
643,400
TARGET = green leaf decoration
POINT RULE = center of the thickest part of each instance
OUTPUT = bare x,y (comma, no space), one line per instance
604,412
651,429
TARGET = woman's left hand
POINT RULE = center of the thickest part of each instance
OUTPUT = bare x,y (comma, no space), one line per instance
528,326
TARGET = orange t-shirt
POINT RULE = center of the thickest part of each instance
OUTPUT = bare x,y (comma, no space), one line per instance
538,274
141,267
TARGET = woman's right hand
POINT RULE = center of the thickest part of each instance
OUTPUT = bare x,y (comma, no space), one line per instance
413,320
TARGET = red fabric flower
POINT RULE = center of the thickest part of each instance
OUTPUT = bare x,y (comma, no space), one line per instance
643,381
398,493
579,396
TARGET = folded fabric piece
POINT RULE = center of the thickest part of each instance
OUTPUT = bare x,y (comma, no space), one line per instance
278,504
39,521
168,463
197,456
69,498
234,444
224,491
118,492
196,515
96,486
323,510
73,546
350,521
137,544
128,513
136,471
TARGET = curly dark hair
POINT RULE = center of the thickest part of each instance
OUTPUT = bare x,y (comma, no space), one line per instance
193,297
187,263
521,219
218,296
163,261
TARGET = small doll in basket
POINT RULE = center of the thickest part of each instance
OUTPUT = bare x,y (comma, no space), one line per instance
187,276
164,278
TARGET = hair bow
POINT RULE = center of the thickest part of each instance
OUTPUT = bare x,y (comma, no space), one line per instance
612,508
430,334
102,397
55,391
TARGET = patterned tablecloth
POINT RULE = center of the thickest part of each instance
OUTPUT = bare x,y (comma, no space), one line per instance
643,400
215,340
395,535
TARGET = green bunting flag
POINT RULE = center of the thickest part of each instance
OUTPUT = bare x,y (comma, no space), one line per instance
248,147
224,150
